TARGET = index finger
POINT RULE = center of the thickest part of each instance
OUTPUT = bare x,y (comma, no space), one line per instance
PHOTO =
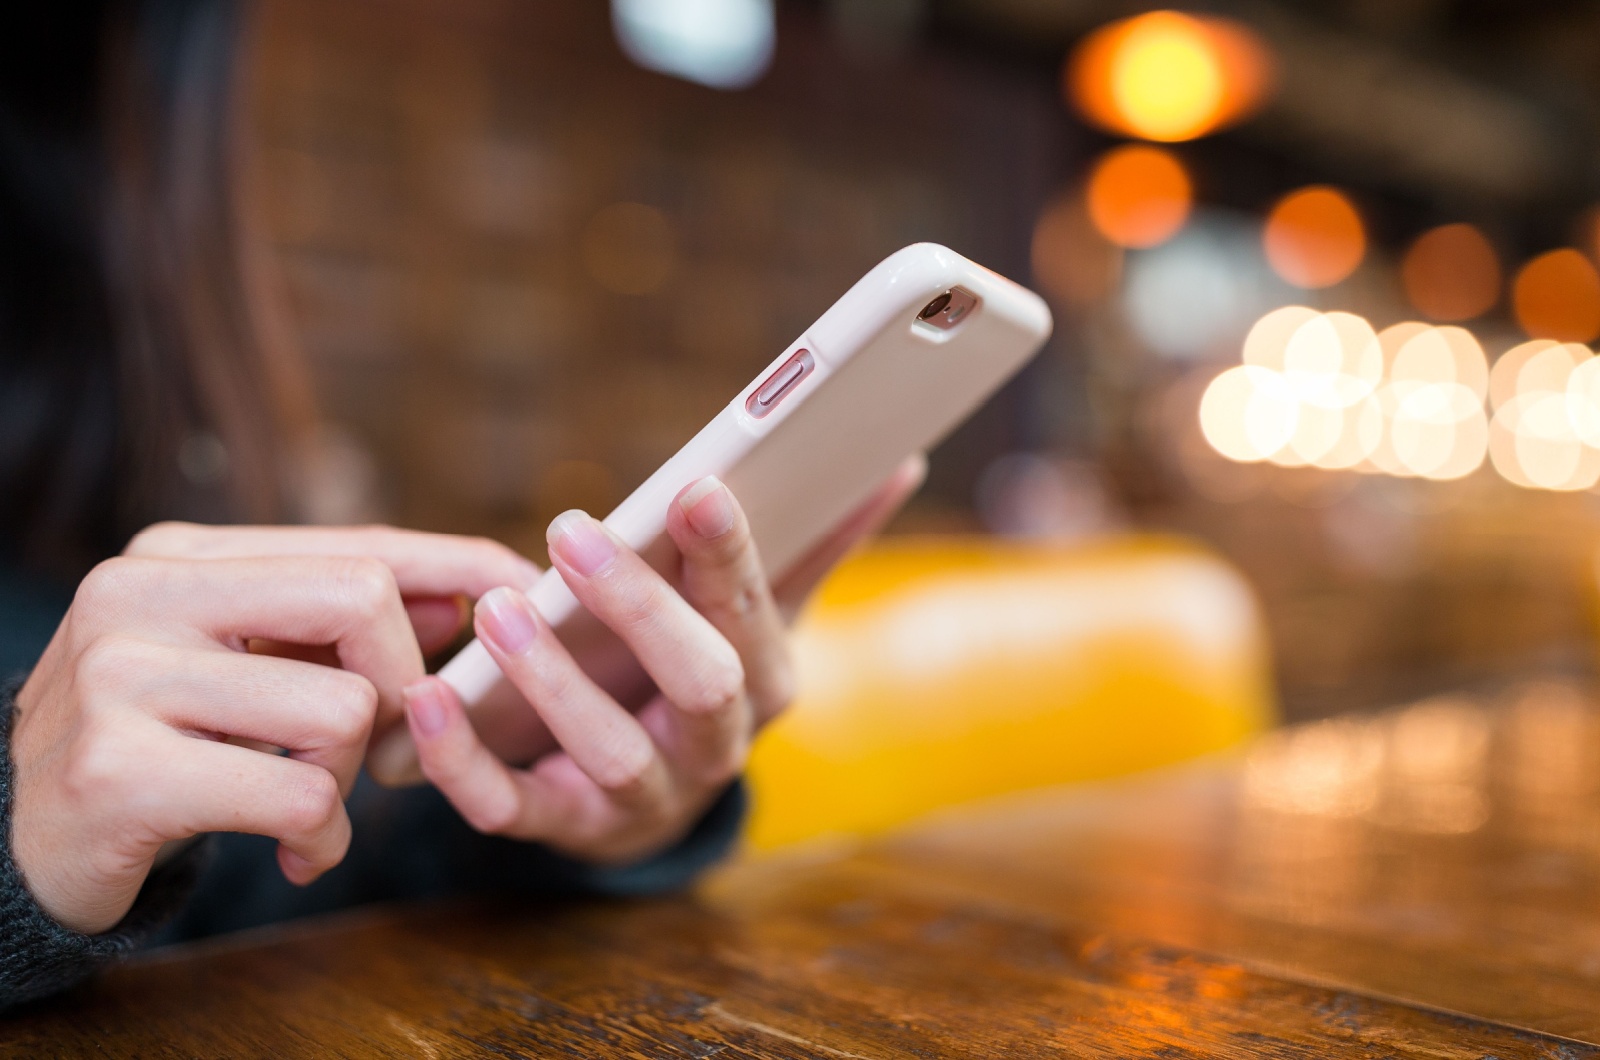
438,565
349,603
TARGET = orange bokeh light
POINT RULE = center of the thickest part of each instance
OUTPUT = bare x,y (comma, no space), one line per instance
1168,77
1314,237
1451,273
1557,296
1138,196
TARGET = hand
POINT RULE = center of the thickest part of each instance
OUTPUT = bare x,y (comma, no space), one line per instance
622,785
125,736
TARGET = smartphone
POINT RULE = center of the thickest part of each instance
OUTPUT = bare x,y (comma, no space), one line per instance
896,364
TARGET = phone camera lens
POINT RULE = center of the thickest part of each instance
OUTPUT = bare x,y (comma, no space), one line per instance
935,307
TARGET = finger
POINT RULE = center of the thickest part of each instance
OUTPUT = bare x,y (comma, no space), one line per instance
692,664
350,603
205,786
555,803
423,564
722,578
796,583
455,760
322,716
606,741
437,620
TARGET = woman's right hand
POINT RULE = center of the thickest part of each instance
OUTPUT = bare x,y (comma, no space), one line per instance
121,736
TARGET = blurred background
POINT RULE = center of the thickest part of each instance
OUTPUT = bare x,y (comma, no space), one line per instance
1323,276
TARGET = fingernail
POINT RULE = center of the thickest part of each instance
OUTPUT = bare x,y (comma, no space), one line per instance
506,618
709,507
580,541
426,707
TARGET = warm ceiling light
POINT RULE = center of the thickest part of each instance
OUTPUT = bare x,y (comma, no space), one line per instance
1451,273
1168,77
1138,196
1557,296
1314,237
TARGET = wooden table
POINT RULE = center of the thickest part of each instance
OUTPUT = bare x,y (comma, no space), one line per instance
1420,884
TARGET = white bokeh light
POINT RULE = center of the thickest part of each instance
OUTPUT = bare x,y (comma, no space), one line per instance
721,43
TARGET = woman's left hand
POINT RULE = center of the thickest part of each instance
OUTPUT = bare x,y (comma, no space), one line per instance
624,784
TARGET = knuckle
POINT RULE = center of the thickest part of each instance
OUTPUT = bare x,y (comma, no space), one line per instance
352,705
625,769
738,603
111,580
111,664
441,768
166,538
634,601
368,585
101,766
493,818
717,687
313,804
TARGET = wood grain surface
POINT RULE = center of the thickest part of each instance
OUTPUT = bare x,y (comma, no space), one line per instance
1424,883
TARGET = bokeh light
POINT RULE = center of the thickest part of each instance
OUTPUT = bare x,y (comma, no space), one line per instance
1168,77
1504,376
1451,273
1543,392
1557,296
1248,413
1314,237
721,43
1138,196
1341,396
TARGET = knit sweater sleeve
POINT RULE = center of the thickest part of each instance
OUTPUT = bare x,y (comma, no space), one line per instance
38,956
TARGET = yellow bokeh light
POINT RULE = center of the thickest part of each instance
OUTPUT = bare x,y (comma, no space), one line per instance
1269,337
1534,444
1438,430
1583,401
1360,435
1324,390
1441,355
1547,419
1549,370
1503,377
1333,360
1248,413
1168,77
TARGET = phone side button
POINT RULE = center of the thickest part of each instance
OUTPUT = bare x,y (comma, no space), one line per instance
779,384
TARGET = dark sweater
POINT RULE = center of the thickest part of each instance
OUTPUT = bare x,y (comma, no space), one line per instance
407,844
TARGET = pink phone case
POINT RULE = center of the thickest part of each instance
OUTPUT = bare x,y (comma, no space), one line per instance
808,440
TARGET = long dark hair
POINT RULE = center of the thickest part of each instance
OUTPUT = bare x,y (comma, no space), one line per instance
134,384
